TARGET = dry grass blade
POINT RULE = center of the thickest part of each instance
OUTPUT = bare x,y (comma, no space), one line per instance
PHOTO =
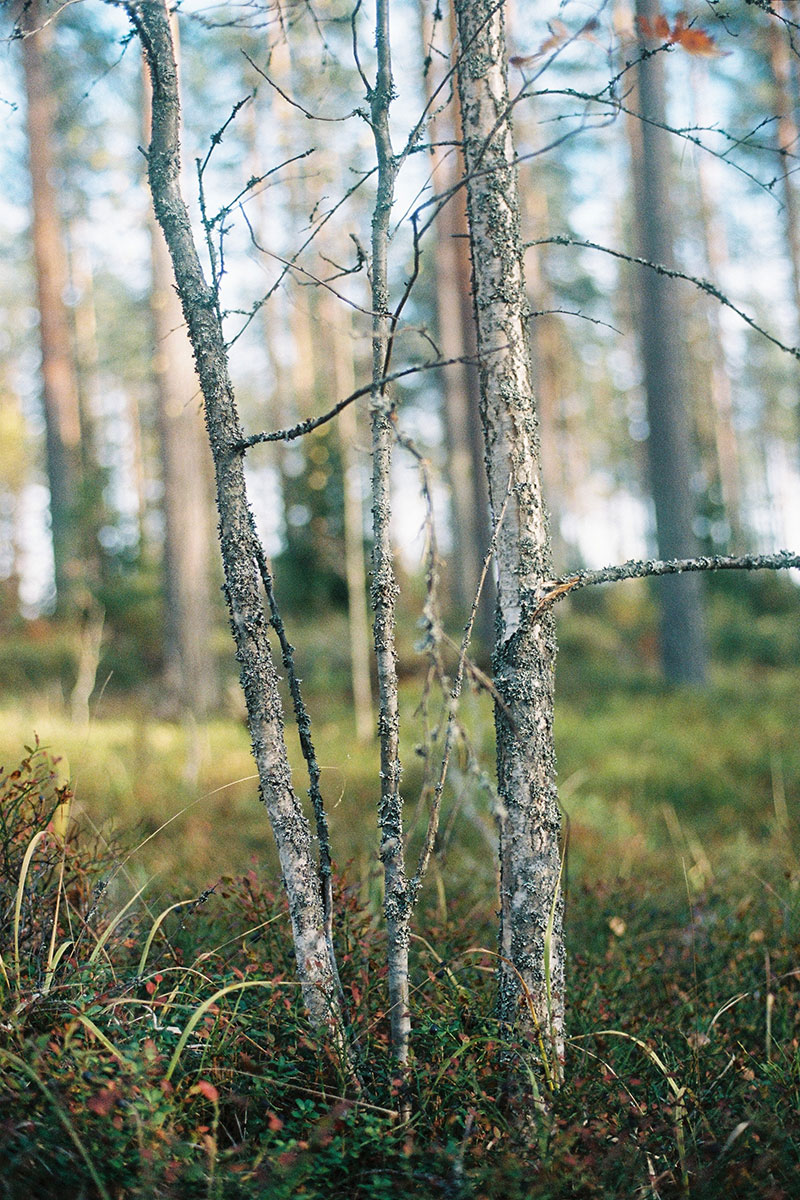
23,875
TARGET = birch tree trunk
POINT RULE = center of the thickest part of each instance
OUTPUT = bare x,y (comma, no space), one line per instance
531,984
241,551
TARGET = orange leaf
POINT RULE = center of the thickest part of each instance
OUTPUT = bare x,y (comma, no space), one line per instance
104,1101
208,1090
661,26
558,34
697,41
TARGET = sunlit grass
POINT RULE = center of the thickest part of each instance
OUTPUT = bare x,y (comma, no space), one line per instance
642,775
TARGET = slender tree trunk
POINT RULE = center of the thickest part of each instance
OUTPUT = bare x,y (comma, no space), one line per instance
683,642
190,672
241,551
384,586
531,996
59,379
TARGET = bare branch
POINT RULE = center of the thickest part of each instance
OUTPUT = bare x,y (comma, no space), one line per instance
294,266
670,273
296,431
259,304
415,883
303,722
687,134
783,560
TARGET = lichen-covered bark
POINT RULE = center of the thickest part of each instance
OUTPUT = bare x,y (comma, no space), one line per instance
238,541
531,944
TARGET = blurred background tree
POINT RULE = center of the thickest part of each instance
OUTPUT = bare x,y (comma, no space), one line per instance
104,479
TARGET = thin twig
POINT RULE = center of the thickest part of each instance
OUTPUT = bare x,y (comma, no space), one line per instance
455,694
303,722
308,115
310,423
669,273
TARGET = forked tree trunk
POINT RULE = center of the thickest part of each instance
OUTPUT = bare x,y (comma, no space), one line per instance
241,551
531,996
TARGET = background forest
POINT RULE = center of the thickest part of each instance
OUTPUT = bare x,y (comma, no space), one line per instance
676,706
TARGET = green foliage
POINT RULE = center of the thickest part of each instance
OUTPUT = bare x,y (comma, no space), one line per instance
754,618
132,599
164,1052
309,571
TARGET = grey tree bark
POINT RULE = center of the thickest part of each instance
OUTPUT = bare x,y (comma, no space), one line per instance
684,652
242,555
531,991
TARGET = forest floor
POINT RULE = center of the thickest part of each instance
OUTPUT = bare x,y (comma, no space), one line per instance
167,1055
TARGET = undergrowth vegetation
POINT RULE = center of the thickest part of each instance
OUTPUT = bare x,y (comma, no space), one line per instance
163,1052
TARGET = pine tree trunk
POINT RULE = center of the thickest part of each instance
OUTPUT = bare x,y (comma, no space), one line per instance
787,139
726,442
683,642
531,997
59,379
